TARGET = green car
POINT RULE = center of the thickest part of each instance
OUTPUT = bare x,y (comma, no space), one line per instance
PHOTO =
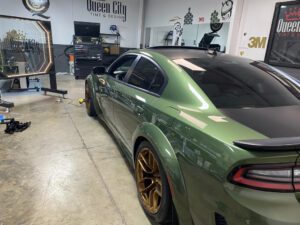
213,139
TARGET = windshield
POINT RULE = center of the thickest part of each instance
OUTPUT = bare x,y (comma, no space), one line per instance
239,83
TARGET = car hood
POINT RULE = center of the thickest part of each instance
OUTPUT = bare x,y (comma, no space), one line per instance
274,122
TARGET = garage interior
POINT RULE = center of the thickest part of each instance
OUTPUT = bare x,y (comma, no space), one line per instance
66,167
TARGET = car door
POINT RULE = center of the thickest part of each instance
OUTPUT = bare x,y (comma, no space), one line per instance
106,86
132,105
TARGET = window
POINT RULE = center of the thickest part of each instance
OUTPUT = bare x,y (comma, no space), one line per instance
121,67
147,76
237,83
284,43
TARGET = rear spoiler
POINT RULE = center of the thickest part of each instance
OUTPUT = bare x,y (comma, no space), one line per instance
273,144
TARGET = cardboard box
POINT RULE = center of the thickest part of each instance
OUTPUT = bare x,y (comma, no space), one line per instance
115,50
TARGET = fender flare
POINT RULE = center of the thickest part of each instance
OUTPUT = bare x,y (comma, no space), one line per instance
91,84
170,164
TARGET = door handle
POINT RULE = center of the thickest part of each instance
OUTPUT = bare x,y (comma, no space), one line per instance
139,110
102,82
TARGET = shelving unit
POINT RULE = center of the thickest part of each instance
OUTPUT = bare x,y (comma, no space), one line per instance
88,54
110,43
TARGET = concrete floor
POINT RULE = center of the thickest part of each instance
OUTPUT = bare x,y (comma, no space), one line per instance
66,168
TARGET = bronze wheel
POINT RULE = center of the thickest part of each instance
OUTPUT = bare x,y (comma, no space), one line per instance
152,185
89,102
87,97
149,180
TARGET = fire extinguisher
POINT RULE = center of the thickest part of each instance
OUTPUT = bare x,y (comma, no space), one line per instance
71,64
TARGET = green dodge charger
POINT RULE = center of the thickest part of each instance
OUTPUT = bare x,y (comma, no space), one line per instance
213,139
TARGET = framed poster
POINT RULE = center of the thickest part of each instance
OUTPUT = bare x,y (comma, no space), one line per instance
25,47
284,43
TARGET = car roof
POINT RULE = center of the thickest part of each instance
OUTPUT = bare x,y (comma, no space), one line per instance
178,52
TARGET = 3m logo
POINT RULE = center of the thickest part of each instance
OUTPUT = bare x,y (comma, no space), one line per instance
257,42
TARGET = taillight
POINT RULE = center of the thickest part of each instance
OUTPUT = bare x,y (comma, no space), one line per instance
279,177
297,179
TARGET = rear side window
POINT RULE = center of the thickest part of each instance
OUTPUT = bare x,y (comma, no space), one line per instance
147,75
121,67
239,83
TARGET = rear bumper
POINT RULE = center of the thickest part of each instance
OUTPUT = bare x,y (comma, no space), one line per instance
243,206
253,207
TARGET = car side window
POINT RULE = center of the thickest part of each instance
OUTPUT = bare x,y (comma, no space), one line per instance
121,67
147,75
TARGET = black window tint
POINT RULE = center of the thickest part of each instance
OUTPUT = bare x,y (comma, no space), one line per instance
157,83
147,75
238,83
120,69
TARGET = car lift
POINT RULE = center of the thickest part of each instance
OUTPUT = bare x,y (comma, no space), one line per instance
53,85
5,104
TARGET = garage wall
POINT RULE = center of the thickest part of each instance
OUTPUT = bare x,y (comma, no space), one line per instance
250,19
253,19
63,13
160,15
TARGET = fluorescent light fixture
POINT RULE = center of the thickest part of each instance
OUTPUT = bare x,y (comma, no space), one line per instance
189,65
193,120
204,105
146,53
177,67
140,98
218,119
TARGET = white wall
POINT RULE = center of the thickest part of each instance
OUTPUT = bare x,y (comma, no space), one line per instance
253,18
63,13
158,14
250,18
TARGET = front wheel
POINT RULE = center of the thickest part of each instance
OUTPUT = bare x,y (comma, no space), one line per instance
89,104
152,185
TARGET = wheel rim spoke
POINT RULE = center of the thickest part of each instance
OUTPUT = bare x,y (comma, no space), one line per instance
144,179
149,180
149,188
87,98
144,165
151,198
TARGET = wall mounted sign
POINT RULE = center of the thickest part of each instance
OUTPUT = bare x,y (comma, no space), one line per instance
257,42
215,23
284,45
37,7
176,18
177,34
188,18
201,19
105,9
226,10
25,47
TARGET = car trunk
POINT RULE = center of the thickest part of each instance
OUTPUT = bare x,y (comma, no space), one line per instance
273,122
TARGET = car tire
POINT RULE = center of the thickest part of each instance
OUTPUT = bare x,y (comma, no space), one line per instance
155,201
89,103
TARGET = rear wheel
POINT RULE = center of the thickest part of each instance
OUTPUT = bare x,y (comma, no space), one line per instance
152,185
89,104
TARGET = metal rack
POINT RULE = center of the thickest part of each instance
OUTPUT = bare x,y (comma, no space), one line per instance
110,43
5,104
87,53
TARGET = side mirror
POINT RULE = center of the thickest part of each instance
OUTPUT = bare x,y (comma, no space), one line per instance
99,70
